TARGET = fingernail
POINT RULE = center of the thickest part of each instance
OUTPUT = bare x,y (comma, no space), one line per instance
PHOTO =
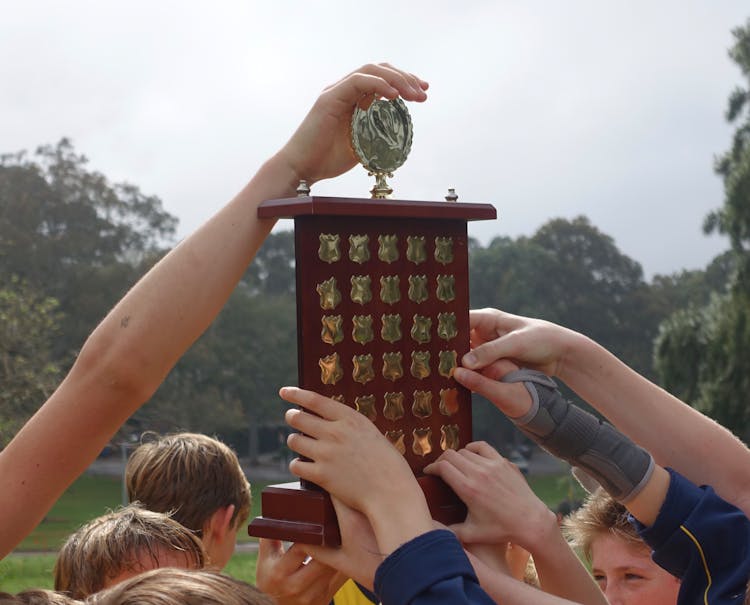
469,360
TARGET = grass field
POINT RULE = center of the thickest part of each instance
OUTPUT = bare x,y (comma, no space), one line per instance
30,566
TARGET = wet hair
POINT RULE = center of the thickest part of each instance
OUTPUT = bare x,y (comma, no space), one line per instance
188,475
117,542
169,586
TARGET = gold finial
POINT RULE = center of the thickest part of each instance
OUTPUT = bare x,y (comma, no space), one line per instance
303,189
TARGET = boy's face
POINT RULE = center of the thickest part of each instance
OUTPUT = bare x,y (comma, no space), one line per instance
627,575
144,562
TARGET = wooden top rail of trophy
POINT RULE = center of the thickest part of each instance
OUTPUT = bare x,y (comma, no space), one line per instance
337,206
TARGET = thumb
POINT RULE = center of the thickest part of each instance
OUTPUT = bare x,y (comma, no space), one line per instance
512,399
465,533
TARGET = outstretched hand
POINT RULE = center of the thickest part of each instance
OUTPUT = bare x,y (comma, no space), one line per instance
348,457
501,505
531,343
321,148
346,453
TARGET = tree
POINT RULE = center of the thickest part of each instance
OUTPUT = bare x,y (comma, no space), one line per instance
701,357
571,273
733,218
693,288
702,353
29,321
272,269
229,379
70,233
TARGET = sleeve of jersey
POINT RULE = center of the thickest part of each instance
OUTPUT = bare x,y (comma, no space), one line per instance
430,569
704,541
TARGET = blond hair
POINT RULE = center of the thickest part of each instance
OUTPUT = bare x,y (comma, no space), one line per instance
112,544
169,586
190,475
599,515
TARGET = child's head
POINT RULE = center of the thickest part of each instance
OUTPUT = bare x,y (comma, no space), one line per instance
181,587
620,561
120,544
196,478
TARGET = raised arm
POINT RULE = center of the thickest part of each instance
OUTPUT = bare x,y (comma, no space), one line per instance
128,355
676,435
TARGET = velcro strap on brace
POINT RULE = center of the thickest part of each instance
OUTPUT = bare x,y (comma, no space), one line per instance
568,432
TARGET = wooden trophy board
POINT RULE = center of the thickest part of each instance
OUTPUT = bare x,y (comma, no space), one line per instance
382,321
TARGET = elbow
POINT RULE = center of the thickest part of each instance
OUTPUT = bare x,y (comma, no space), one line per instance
119,374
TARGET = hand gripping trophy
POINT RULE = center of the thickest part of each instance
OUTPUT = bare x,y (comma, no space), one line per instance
382,319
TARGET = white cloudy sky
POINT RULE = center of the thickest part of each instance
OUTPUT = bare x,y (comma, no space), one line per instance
547,109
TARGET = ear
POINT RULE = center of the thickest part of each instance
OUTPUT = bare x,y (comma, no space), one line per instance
219,525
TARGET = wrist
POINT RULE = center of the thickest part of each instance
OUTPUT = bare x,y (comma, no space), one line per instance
286,177
576,347
397,520
645,505
540,530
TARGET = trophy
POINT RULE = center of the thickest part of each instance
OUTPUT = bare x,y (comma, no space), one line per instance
382,320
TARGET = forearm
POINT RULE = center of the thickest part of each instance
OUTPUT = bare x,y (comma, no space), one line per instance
150,328
399,520
714,456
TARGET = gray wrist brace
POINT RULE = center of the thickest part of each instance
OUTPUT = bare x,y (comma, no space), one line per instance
568,432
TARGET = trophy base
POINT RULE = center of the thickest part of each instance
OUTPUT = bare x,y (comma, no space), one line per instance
296,514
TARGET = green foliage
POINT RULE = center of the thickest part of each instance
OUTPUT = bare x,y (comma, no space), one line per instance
29,321
272,270
73,236
726,372
70,233
680,350
693,288
570,273
702,358
733,218
232,374
702,352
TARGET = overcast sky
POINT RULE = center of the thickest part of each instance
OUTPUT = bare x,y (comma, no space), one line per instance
612,109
